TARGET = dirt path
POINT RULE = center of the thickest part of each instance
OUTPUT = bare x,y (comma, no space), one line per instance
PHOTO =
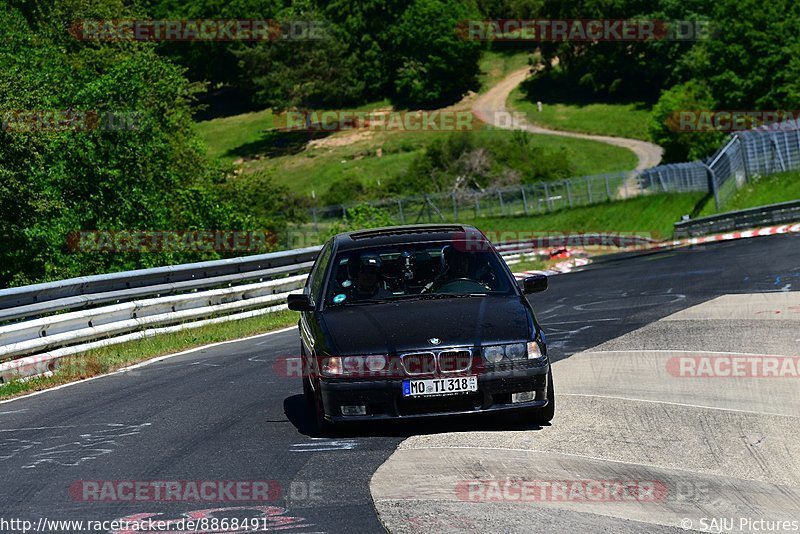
491,109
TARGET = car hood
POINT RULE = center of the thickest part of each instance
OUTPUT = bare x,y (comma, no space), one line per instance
389,328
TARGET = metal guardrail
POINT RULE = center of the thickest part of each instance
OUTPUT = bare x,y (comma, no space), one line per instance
78,314
784,212
73,293
61,319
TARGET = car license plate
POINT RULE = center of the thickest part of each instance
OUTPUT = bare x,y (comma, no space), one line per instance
440,386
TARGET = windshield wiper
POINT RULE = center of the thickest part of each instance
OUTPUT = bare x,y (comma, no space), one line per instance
432,296
398,298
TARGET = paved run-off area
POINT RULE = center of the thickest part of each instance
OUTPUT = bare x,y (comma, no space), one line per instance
690,422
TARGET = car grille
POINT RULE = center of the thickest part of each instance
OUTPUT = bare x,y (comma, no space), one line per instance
419,363
448,361
455,361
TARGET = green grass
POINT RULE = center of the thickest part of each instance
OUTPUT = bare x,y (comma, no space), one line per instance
653,214
230,138
247,139
317,168
772,189
496,65
228,133
107,359
618,120
532,264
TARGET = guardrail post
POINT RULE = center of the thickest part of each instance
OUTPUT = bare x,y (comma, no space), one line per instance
589,188
743,151
547,197
502,204
712,179
455,207
608,189
524,199
569,193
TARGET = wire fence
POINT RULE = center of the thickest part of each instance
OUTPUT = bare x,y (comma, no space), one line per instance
746,156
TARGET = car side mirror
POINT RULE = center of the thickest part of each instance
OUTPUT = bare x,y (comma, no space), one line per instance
534,283
299,302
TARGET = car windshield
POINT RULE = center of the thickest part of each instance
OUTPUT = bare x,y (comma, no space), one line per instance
415,271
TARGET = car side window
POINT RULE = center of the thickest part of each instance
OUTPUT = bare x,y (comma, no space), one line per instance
317,279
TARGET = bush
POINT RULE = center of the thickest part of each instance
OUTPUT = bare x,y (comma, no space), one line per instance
360,217
663,126
344,191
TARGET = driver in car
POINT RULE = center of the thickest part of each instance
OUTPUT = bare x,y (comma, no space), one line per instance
367,278
455,263
455,266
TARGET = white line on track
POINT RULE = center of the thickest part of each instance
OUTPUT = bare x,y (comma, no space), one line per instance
148,362
569,454
686,405
35,428
684,351
584,321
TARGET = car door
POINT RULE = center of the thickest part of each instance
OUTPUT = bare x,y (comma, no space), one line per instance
315,285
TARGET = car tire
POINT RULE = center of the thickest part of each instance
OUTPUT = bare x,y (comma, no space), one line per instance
324,427
542,416
308,392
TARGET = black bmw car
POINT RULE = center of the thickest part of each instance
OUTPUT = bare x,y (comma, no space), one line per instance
420,321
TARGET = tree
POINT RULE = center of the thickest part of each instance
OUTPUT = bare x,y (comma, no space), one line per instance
302,73
150,172
752,61
430,63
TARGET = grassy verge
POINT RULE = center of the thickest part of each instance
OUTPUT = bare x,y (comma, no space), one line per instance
375,157
619,120
108,359
245,135
496,65
653,214
532,264
318,167
772,189
224,135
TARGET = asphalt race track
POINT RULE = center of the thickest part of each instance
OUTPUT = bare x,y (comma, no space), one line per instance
227,412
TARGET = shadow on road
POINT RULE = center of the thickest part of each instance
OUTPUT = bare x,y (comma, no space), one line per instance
302,417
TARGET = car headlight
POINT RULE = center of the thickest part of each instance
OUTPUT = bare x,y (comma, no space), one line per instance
332,366
375,363
352,365
517,351
494,353
535,352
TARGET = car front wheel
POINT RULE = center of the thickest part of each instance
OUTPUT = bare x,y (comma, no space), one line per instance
324,427
541,416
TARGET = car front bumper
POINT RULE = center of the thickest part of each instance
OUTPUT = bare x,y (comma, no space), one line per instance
384,399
